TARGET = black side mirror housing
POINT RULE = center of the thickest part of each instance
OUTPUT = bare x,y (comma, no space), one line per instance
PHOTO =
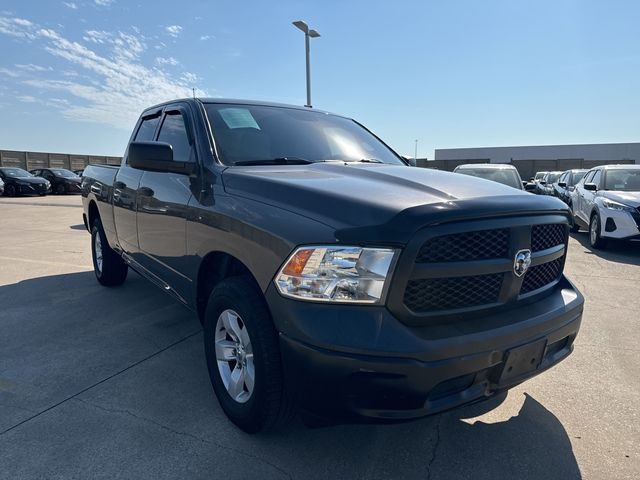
562,184
156,157
412,162
591,187
542,182
529,187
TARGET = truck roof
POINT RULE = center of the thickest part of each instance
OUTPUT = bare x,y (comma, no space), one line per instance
236,101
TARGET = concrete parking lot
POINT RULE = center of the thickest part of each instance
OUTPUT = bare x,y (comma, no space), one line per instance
112,383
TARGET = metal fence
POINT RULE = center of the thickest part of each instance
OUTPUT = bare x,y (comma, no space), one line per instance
526,168
33,160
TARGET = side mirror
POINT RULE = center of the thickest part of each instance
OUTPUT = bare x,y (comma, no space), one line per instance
562,184
542,182
591,187
529,187
156,157
412,161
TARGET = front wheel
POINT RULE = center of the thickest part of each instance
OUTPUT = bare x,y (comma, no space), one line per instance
10,191
595,240
108,266
243,357
60,189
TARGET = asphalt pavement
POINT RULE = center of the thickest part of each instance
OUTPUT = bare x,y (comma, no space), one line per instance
112,383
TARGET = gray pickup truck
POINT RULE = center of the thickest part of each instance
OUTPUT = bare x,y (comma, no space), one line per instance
328,274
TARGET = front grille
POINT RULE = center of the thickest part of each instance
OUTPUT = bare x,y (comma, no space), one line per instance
436,294
467,246
547,236
541,275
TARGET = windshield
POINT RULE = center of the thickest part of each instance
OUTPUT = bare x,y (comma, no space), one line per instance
504,176
63,172
539,175
622,180
249,133
553,177
577,176
16,172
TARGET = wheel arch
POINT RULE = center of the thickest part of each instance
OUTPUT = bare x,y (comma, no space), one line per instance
215,267
93,213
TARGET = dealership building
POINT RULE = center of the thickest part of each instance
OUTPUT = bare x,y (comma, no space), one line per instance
529,160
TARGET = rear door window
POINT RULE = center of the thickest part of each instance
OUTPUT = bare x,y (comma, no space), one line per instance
147,129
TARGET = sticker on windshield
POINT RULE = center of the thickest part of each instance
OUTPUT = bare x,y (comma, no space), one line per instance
238,118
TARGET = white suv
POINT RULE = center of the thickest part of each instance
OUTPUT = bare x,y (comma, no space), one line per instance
607,202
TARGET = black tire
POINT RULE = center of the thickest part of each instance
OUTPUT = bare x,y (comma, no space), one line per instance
595,225
269,405
60,189
112,271
10,190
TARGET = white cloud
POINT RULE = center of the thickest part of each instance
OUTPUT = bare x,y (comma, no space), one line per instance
167,61
26,98
30,67
17,27
205,37
118,87
174,30
9,73
103,3
71,5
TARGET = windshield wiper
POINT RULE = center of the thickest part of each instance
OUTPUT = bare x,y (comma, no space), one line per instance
370,160
277,161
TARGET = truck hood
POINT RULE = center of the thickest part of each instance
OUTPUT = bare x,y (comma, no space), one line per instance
347,196
628,198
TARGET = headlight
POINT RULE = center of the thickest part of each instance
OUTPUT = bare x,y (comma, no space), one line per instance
613,205
336,274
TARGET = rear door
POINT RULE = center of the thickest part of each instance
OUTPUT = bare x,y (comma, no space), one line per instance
162,205
125,188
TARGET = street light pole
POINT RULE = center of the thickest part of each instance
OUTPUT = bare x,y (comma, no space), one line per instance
313,34
415,155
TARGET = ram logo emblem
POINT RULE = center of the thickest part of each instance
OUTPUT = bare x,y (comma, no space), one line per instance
522,262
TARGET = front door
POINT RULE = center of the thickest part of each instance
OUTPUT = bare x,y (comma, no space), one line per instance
162,206
125,188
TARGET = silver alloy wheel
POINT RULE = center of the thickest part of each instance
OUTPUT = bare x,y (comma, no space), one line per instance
97,246
234,355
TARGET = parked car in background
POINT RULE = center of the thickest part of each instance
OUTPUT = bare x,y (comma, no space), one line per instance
79,172
607,202
536,181
328,273
1,187
545,186
20,182
62,180
497,172
567,184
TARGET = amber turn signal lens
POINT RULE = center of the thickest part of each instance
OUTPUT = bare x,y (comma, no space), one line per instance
298,262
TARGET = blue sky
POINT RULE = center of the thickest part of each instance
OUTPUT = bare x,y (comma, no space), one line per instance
74,75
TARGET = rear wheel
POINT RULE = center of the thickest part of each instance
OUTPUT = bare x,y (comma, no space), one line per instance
108,266
243,357
595,240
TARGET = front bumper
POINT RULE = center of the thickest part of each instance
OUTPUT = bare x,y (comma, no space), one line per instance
619,224
346,362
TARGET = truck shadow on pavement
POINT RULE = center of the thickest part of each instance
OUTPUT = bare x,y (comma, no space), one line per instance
85,370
